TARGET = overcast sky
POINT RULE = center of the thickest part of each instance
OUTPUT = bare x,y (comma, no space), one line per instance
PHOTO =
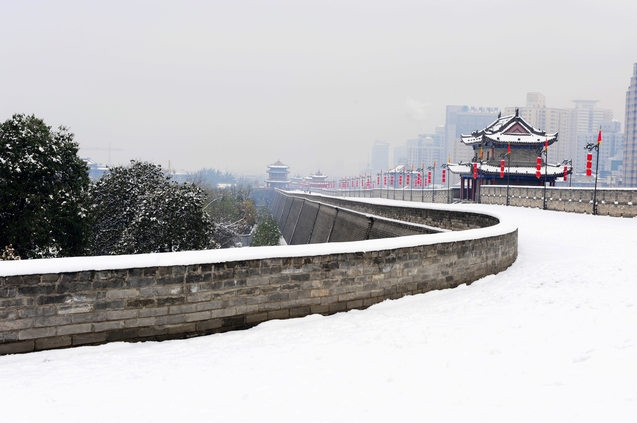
235,85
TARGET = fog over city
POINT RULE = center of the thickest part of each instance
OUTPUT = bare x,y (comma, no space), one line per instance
237,85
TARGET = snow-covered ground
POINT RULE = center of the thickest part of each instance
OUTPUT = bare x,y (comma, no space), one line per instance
551,339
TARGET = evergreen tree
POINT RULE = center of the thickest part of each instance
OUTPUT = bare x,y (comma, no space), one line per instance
43,190
138,209
267,231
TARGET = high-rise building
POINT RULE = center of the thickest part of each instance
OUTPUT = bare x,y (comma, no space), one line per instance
611,149
583,119
380,156
462,120
426,150
630,133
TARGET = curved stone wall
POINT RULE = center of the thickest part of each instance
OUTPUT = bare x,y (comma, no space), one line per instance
59,303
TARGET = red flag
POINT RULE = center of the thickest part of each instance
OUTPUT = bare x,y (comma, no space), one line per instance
599,136
546,143
509,148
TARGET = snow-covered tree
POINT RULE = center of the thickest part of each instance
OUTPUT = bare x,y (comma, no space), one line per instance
233,212
267,231
43,190
138,209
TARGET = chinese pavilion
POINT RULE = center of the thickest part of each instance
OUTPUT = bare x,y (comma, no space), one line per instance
278,175
507,152
316,180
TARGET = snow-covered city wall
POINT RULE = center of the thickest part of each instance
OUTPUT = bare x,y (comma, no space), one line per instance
58,303
618,202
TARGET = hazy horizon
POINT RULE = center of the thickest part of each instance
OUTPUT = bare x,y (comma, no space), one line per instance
239,85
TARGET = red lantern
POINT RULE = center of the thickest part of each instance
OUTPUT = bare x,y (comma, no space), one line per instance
429,177
408,179
475,171
589,164
444,175
400,180
418,180
565,173
378,180
538,167
501,168
391,180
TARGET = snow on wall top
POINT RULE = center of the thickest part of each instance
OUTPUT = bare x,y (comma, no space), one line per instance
184,258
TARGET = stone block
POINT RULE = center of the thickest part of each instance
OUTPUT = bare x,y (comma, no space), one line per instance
88,317
356,304
121,314
36,333
235,322
209,305
135,323
17,324
186,328
54,299
109,305
152,331
246,309
256,318
171,300
279,314
194,317
182,309
115,294
75,308
140,303
300,311
170,320
73,329
89,338
153,312
17,347
122,335
107,326
209,325
73,286
52,343
224,312
44,321
139,281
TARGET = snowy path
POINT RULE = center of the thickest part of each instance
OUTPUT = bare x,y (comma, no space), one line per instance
553,338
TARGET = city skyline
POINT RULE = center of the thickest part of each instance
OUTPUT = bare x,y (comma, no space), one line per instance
238,85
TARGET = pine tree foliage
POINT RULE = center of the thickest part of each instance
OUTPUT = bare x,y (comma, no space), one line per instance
138,209
43,190
267,231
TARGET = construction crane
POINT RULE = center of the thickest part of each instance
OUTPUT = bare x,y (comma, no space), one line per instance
109,149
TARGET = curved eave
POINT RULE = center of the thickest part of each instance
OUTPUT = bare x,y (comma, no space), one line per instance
510,139
547,171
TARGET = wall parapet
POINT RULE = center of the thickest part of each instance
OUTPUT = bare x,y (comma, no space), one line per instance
618,202
59,303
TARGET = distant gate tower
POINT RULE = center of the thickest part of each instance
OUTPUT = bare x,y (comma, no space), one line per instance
278,175
516,142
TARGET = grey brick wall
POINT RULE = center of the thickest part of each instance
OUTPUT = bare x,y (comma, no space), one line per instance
45,311
611,202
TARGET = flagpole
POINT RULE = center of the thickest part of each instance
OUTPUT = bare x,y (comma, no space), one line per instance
411,184
591,147
546,170
508,170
